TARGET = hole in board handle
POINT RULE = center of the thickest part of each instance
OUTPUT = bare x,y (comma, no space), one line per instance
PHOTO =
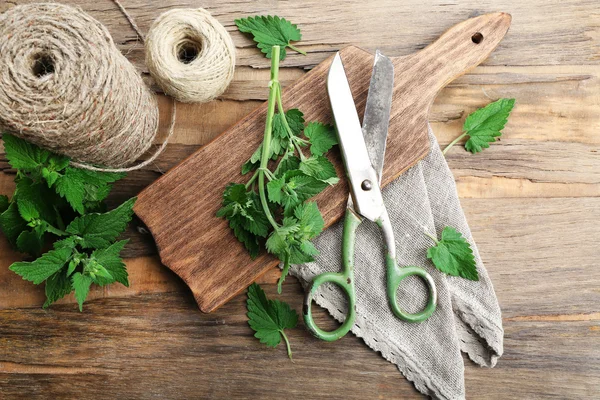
477,38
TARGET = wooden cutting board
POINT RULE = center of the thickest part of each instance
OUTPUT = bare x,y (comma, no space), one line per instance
179,208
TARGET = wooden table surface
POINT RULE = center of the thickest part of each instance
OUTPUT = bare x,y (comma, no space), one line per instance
532,201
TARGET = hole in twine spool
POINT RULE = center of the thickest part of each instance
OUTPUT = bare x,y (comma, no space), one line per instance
477,38
188,51
43,64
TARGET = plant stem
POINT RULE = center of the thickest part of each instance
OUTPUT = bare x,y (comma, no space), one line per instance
285,156
287,343
57,232
296,49
299,149
452,143
282,112
264,159
284,272
251,181
269,174
431,237
286,125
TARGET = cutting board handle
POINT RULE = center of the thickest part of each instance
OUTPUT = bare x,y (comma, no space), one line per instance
460,49
467,44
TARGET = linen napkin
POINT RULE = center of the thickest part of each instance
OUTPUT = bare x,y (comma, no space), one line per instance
467,317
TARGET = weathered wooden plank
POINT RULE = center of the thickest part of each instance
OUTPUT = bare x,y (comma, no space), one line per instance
545,32
538,253
161,346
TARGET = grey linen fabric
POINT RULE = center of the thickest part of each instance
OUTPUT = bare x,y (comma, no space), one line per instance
467,317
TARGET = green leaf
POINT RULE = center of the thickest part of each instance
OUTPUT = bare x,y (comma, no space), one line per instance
249,166
57,162
250,241
45,200
72,188
274,190
51,178
253,162
31,242
320,168
276,148
41,269
322,137
11,223
245,215
280,140
96,193
298,189
67,243
4,203
78,186
297,254
27,210
100,230
81,286
57,287
110,259
276,244
292,239
245,206
295,120
453,255
310,220
97,178
74,263
484,125
309,249
269,31
54,164
288,162
22,154
269,318
100,275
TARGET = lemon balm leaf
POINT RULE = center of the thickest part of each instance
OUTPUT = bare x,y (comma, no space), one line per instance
453,255
268,31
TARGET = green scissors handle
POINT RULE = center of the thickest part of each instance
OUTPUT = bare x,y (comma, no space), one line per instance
345,281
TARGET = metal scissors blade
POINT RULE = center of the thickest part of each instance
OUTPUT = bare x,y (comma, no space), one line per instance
359,150
377,111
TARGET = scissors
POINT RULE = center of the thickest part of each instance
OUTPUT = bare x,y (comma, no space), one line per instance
363,151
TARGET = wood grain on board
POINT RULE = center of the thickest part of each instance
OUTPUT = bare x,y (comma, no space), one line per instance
531,201
180,208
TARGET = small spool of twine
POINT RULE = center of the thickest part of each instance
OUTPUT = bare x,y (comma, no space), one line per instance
66,87
190,55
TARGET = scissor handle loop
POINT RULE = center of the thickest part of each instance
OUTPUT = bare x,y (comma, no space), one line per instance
395,276
344,280
340,280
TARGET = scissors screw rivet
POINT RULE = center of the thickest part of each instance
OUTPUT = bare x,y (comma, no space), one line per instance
366,185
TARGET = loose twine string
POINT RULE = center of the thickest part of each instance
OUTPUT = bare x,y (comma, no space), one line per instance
66,87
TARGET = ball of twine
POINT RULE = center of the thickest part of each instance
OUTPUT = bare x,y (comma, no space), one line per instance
66,87
190,55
